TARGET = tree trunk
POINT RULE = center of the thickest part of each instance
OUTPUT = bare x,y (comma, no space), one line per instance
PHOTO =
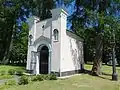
85,52
97,63
8,46
7,51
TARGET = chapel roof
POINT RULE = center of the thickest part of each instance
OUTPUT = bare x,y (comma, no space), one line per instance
73,35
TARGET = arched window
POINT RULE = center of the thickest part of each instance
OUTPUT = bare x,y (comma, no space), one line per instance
55,32
30,39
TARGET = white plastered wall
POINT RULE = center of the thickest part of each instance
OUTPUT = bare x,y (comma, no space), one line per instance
71,49
55,56
72,53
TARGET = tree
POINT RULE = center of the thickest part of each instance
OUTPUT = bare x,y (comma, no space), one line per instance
12,10
18,53
91,15
43,7
9,12
7,17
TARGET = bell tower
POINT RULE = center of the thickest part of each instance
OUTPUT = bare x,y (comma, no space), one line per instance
59,24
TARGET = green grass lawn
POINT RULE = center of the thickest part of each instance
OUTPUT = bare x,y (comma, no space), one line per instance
106,70
6,68
77,82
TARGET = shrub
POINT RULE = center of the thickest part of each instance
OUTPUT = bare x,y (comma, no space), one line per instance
23,80
44,77
52,77
11,71
19,72
2,72
38,78
10,82
47,77
34,78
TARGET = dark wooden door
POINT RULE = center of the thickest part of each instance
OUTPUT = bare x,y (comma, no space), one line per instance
44,55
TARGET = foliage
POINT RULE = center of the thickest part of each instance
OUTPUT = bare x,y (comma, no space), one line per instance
47,77
18,54
52,76
11,82
38,78
95,21
11,71
9,12
42,8
42,77
23,80
14,29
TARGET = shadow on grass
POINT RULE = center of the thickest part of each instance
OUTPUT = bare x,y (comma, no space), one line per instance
103,75
106,74
106,78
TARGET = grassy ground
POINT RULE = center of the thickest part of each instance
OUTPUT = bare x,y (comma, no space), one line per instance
6,68
78,82
106,70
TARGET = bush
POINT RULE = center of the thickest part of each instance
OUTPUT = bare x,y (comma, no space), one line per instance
23,80
38,78
44,77
2,72
19,72
10,82
47,77
11,71
52,77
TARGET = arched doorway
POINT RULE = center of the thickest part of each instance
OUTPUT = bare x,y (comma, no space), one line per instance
44,62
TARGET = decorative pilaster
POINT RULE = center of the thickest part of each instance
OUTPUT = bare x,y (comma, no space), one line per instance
37,63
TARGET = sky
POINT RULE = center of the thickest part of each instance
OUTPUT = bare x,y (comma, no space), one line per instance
69,8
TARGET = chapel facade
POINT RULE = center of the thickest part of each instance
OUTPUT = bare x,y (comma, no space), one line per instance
52,48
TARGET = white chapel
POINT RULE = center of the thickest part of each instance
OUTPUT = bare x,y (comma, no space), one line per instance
52,48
